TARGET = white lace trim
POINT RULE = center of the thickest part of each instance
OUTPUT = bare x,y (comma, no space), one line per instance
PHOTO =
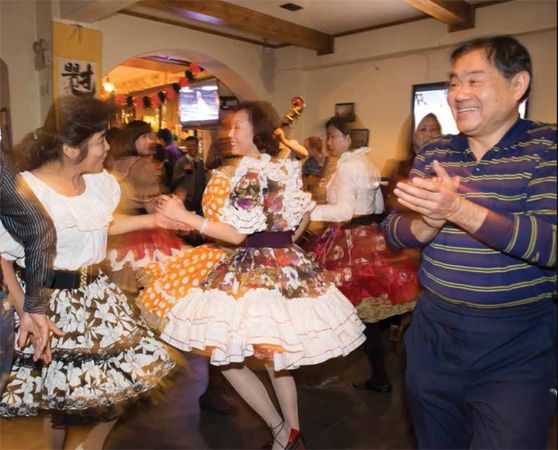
296,202
90,211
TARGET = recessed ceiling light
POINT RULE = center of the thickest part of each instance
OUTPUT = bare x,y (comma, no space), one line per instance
291,6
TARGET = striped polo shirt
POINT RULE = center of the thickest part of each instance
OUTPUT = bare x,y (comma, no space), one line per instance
511,259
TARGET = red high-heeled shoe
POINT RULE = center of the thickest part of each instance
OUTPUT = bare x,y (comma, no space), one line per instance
295,441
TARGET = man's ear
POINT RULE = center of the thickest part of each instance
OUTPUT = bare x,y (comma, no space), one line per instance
520,83
70,152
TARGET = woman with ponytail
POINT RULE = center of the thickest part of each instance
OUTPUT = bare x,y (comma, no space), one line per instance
106,356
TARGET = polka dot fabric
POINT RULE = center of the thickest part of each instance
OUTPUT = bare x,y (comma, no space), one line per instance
214,196
171,279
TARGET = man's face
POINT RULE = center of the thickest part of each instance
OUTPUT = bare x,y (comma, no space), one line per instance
192,148
481,99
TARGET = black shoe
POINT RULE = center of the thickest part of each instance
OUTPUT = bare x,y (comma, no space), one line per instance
216,403
368,385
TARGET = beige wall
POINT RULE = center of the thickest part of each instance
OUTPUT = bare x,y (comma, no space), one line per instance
376,71
241,66
17,34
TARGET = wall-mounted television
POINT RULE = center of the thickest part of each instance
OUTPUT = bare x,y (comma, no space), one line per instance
432,98
198,104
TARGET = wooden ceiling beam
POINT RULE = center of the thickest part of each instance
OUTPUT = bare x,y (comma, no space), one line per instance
457,14
217,12
143,63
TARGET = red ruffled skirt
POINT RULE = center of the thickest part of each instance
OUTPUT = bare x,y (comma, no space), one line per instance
363,265
139,248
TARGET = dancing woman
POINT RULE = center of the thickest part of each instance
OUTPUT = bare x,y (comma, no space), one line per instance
139,175
106,356
270,300
169,280
379,281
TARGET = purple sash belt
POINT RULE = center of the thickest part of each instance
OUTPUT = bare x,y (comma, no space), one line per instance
270,239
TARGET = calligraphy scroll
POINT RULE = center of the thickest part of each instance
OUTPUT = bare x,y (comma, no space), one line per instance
76,57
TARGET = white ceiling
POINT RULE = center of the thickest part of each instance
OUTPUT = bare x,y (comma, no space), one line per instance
337,16
334,16
328,16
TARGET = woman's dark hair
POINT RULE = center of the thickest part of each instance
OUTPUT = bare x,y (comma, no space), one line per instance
339,123
507,55
263,127
70,121
112,134
165,135
125,142
214,158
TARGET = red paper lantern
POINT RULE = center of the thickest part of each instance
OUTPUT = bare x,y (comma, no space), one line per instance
195,69
170,93
183,82
154,100
119,99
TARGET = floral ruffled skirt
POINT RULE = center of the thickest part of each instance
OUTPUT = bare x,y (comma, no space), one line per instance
275,303
380,281
106,359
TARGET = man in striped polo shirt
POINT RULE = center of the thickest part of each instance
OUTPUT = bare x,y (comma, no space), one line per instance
481,350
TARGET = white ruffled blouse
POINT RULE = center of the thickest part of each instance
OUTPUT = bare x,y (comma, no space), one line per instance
354,190
81,221
266,195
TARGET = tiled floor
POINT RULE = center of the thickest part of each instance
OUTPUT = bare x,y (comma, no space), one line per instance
336,417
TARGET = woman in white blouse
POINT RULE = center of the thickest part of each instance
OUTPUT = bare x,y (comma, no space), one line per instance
106,357
354,189
354,249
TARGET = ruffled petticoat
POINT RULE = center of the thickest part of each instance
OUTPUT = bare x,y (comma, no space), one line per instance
266,298
106,359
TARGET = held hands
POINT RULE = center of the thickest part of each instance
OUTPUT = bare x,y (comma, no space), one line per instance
171,208
436,199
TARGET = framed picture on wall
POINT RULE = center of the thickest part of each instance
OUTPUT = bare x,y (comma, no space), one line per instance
345,111
359,137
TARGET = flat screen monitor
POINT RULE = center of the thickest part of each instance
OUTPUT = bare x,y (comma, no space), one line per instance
432,98
199,104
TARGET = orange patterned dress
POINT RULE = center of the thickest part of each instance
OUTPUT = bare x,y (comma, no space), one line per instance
171,279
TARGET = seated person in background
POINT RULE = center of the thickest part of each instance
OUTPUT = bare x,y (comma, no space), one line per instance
313,167
172,152
188,176
428,128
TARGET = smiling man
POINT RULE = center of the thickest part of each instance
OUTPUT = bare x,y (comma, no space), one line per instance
481,370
